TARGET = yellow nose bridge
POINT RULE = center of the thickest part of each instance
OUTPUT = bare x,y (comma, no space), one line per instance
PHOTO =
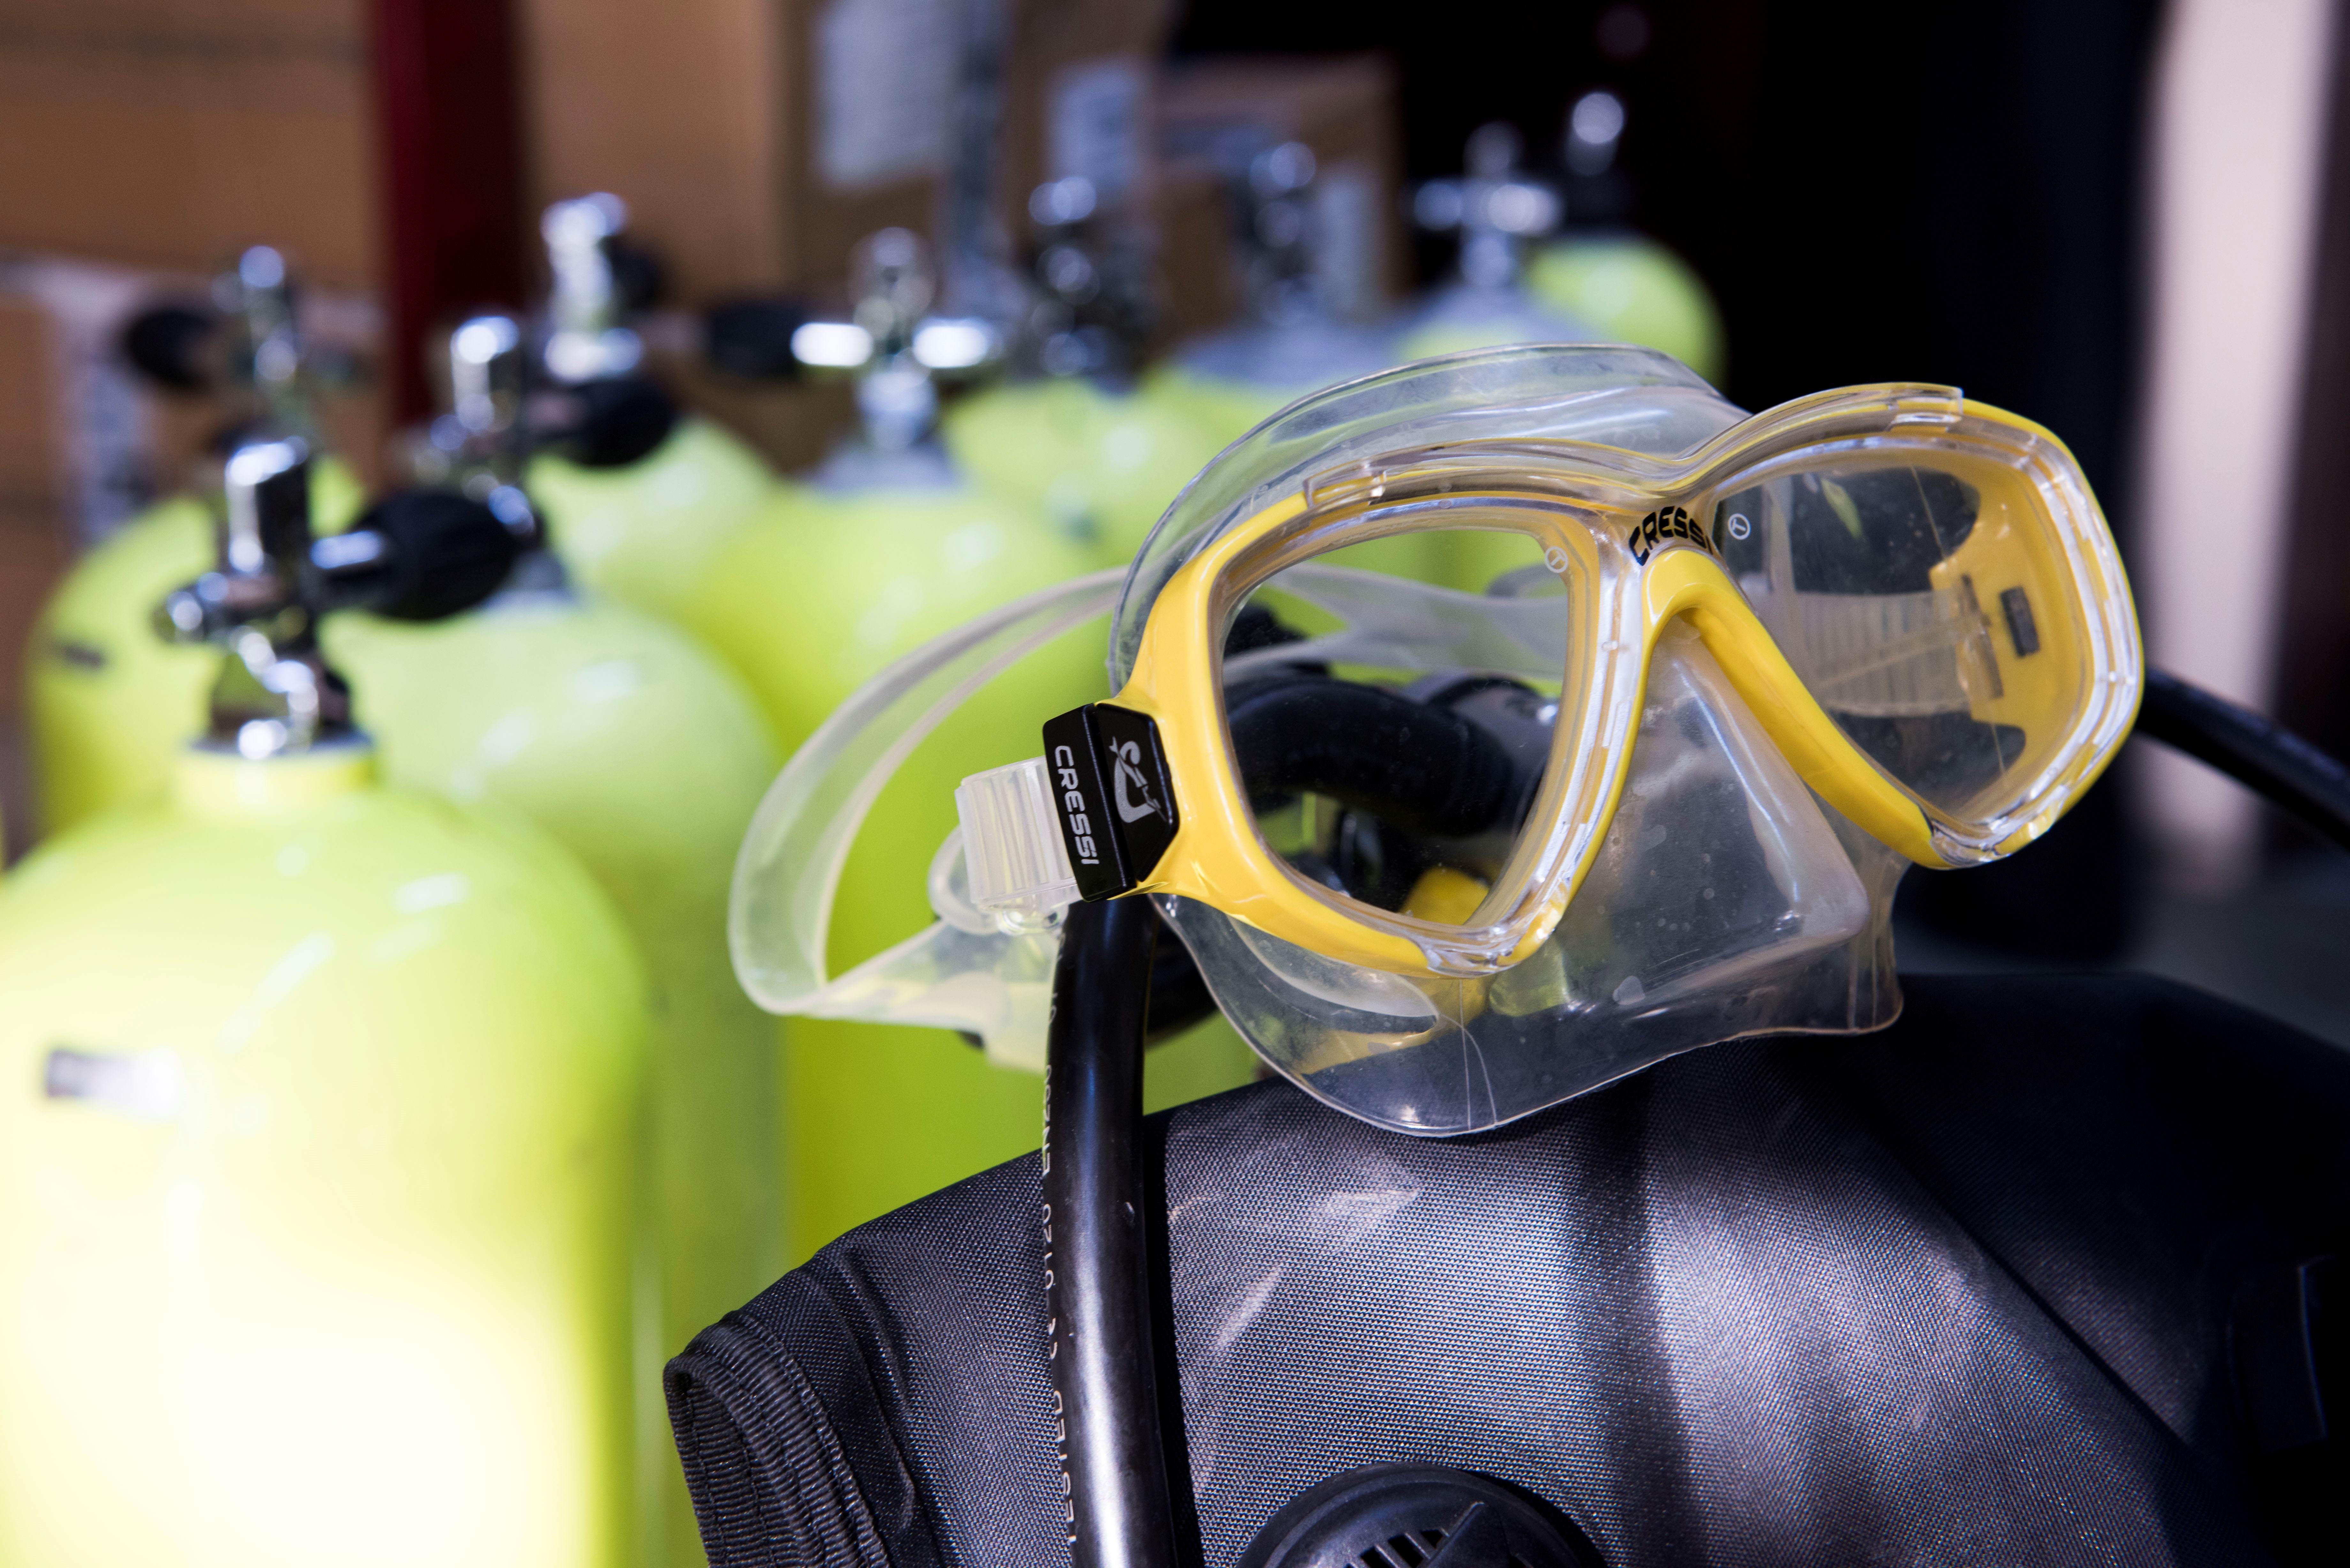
1684,581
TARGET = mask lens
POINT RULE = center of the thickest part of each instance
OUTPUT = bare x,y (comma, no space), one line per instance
1926,603
1391,738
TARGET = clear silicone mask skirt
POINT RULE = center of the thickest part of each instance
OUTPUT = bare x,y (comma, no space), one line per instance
1724,900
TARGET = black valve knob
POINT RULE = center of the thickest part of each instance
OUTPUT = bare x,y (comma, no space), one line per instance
640,277
752,338
174,346
605,423
419,554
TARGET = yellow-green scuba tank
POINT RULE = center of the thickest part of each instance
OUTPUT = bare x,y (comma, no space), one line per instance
1102,461
1071,439
1496,210
1288,343
320,1154
644,756
107,706
1227,382
886,546
645,492
1628,288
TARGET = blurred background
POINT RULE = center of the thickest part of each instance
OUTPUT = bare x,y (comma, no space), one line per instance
758,341
2124,220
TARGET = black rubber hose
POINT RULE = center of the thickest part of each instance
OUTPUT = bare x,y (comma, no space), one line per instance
1096,1283
752,338
1420,768
2264,756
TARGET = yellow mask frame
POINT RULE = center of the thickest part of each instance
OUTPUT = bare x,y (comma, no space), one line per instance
1626,534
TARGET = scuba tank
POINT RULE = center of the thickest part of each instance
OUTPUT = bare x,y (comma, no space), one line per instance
1495,209
322,1122
645,492
107,705
1289,343
1229,381
1074,440
1600,270
886,544
628,744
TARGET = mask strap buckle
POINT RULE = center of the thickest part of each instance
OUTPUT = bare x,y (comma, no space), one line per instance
1017,864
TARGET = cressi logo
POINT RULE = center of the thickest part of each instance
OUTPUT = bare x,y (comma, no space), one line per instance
1073,813
1661,528
1128,777
1115,799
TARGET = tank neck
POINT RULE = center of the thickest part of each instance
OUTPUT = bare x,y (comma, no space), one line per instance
275,692
216,783
266,365
1493,208
586,338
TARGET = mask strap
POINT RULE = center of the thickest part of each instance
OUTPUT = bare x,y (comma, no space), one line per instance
791,858
1400,621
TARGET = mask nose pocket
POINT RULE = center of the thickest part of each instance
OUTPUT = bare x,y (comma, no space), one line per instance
1718,863
1720,890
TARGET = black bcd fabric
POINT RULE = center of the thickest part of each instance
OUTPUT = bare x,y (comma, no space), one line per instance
2038,1275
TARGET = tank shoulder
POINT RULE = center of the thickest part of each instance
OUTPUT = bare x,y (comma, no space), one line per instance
145,558
368,859
700,463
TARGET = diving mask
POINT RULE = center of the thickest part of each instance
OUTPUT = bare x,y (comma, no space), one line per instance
1915,595
1398,760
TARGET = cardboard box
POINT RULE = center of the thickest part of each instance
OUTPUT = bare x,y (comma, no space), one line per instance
877,134
1345,109
161,135
679,108
165,138
756,142
1082,99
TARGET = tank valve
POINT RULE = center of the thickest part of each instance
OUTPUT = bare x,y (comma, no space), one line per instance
418,556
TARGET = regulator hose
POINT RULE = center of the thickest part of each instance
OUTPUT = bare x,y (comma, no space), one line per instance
1423,768
2259,753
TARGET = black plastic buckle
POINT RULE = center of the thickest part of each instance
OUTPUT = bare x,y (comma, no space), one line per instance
1113,794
